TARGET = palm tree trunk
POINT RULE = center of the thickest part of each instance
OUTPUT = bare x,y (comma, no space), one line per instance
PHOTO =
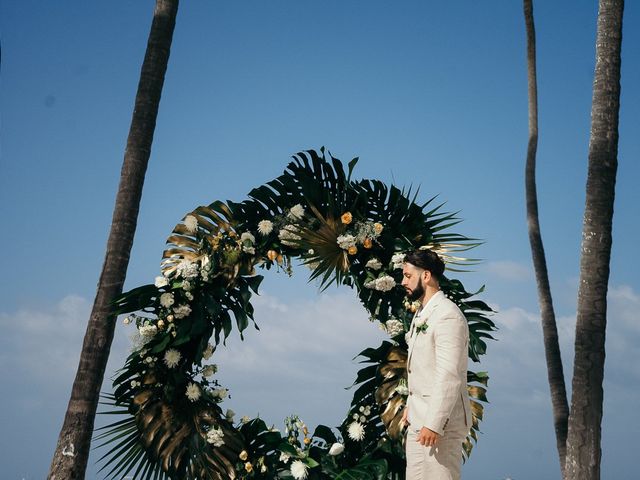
549,330
583,442
72,451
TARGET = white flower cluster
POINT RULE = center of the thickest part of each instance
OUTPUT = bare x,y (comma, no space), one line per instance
193,392
166,299
265,227
374,264
402,388
215,437
206,354
296,212
181,311
219,394
394,327
289,235
346,241
187,269
161,281
383,284
205,268
247,239
284,457
209,370
367,230
397,260
147,332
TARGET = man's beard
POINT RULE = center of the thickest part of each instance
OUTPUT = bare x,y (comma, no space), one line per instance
417,292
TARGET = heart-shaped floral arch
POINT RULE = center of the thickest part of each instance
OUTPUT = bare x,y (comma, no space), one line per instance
348,232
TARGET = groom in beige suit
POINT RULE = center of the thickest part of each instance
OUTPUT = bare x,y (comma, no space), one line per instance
438,412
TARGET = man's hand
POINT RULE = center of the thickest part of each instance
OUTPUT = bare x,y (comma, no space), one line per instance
427,437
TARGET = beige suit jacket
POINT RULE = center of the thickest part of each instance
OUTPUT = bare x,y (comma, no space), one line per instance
437,368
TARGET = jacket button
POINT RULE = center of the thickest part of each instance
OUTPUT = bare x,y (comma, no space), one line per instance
410,393
409,370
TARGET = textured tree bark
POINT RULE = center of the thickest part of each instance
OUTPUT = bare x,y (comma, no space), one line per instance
72,451
584,437
555,373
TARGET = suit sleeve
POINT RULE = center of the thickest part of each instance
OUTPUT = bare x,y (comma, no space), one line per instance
450,337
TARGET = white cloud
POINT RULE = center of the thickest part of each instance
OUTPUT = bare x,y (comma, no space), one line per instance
510,270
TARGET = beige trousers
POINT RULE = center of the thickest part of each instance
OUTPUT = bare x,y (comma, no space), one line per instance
442,462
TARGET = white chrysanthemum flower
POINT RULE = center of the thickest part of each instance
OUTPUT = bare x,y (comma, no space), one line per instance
187,285
296,212
209,370
374,264
191,223
161,282
394,327
229,415
147,332
249,250
284,457
397,259
172,357
247,236
299,470
181,311
215,437
193,392
402,388
356,431
166,299
265,227
245,419
346,241
336,449
289,235
206,354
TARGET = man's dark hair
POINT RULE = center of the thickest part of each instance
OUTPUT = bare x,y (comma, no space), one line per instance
427,260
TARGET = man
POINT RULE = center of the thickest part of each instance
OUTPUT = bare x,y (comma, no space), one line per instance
438,412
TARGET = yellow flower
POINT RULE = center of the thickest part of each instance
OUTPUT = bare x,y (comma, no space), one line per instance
160,324
243,455
307,440
346,218
353,250
272,255
367,243
248,467
378,228
280,259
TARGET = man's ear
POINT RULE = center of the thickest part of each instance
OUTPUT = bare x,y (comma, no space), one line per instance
426,276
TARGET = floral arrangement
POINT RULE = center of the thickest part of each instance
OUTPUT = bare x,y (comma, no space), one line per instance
350,233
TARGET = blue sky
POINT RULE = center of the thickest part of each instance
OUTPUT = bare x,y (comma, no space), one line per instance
425,93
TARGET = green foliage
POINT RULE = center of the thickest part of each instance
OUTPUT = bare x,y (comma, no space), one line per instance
347,232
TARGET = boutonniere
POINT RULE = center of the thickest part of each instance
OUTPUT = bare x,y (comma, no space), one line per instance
421,324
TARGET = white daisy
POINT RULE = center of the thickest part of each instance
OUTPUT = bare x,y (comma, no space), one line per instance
172,357
161,282
193,392
265,227
356,431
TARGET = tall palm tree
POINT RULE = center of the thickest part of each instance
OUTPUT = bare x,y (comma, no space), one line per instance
583,441
72,451
549,329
